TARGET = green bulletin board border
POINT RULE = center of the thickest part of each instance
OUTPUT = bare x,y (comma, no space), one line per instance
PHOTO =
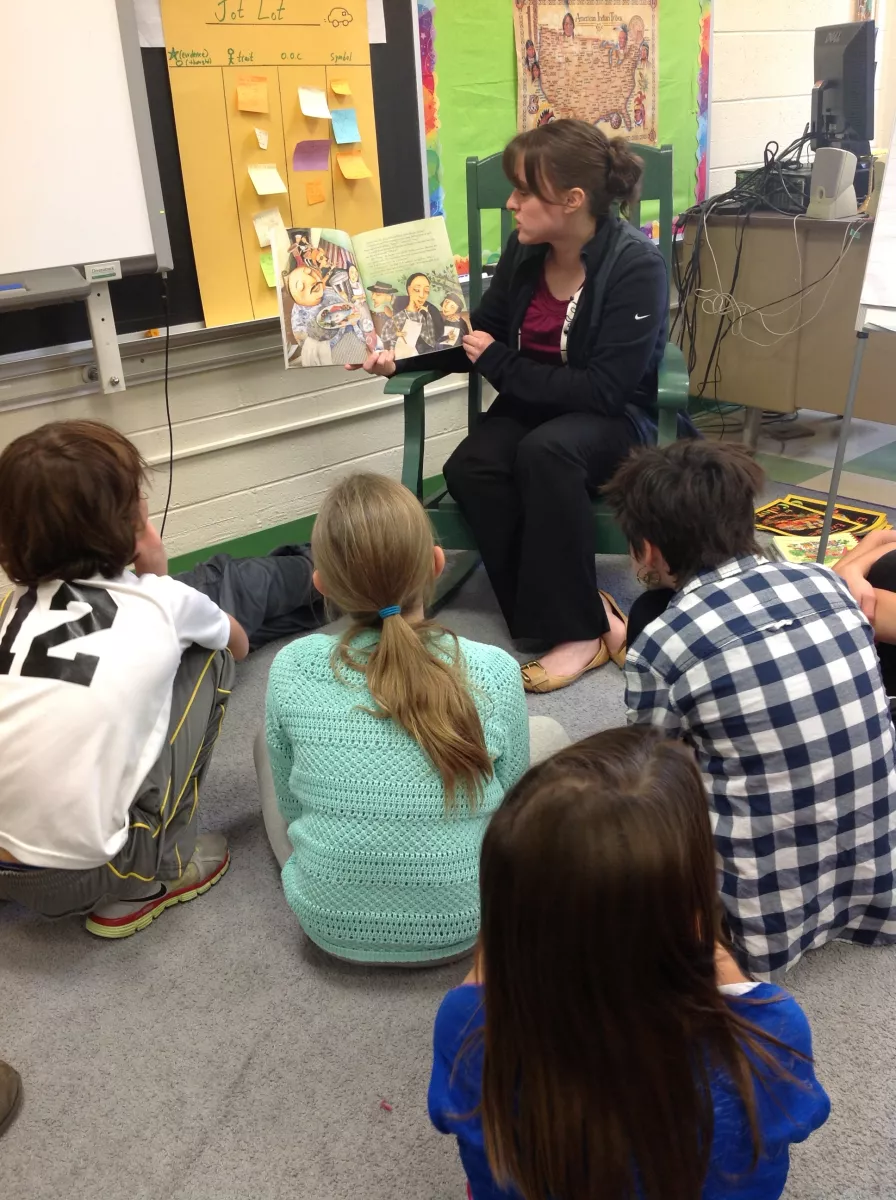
477,96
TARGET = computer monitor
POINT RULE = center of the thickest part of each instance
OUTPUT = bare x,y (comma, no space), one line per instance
843,95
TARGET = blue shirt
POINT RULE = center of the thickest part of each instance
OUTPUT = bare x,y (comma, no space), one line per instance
788,1112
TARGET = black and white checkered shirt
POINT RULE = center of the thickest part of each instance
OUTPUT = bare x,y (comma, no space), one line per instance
769,670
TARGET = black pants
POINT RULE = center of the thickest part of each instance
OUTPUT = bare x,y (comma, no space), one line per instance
883,576
525,488
163,825
646,608
271,596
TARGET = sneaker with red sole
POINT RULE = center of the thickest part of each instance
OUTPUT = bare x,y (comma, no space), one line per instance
121,918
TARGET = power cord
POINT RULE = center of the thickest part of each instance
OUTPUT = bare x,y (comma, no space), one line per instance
717,303
167,311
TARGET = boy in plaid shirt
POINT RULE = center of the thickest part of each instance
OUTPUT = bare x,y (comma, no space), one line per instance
769,671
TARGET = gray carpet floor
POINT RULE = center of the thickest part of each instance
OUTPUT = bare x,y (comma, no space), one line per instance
219,1054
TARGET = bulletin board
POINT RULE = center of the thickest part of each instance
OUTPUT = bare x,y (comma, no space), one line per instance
477,95
246,77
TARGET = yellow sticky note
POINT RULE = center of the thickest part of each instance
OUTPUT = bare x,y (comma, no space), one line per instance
266,179
266,258
353,166
252,95
341,87
314,193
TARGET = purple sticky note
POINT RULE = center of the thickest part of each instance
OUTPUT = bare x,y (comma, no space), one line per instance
311,156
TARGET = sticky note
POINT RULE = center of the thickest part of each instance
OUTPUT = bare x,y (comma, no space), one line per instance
252,94
314,193
376,21
345,125
341,87
353,166
266,179
311,155
262,138
313,103
266,258
266,223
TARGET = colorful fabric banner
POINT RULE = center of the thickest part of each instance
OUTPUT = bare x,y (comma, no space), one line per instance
703,99
426,18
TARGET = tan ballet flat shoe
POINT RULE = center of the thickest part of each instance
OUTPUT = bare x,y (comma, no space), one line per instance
619,657
536,678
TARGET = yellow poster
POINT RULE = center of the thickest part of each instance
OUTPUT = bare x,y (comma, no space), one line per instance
238,69
594,61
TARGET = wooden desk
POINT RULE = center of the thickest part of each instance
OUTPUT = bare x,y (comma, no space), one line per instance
810,367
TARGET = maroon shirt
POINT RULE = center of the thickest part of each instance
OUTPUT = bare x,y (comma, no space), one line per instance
542,326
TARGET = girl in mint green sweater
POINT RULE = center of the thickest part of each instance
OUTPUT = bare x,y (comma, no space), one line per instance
390,746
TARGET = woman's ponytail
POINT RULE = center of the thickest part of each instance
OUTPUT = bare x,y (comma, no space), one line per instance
624,171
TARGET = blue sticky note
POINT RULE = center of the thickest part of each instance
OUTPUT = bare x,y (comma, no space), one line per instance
345,125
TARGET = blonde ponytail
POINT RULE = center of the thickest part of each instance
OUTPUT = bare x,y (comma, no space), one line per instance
373,546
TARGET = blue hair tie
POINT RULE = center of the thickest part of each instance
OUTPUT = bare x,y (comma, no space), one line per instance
392,611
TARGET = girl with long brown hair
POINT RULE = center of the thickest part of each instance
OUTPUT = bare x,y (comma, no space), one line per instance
607,1045
390,745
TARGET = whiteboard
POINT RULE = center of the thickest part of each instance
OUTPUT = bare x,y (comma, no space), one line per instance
879,287
79,176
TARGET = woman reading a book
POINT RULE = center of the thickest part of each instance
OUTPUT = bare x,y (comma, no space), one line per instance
570,333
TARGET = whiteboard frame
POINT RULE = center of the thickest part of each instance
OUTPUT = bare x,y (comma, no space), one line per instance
879,318
50,284
871,314
146,147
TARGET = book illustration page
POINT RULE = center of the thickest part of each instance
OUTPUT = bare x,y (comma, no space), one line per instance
324,317
415,297
782,517
805,550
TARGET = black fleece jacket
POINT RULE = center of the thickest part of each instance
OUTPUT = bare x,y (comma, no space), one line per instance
615,342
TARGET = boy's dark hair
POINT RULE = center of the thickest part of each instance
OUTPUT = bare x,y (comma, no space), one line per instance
69,497
694,500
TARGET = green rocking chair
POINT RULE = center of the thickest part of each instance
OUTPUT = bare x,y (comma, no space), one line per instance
489,189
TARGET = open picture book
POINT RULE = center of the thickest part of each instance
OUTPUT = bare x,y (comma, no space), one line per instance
342,298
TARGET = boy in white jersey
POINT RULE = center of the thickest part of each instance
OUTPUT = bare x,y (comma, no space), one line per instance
113,685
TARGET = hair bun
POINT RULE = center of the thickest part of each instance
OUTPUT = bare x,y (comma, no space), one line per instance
624,171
